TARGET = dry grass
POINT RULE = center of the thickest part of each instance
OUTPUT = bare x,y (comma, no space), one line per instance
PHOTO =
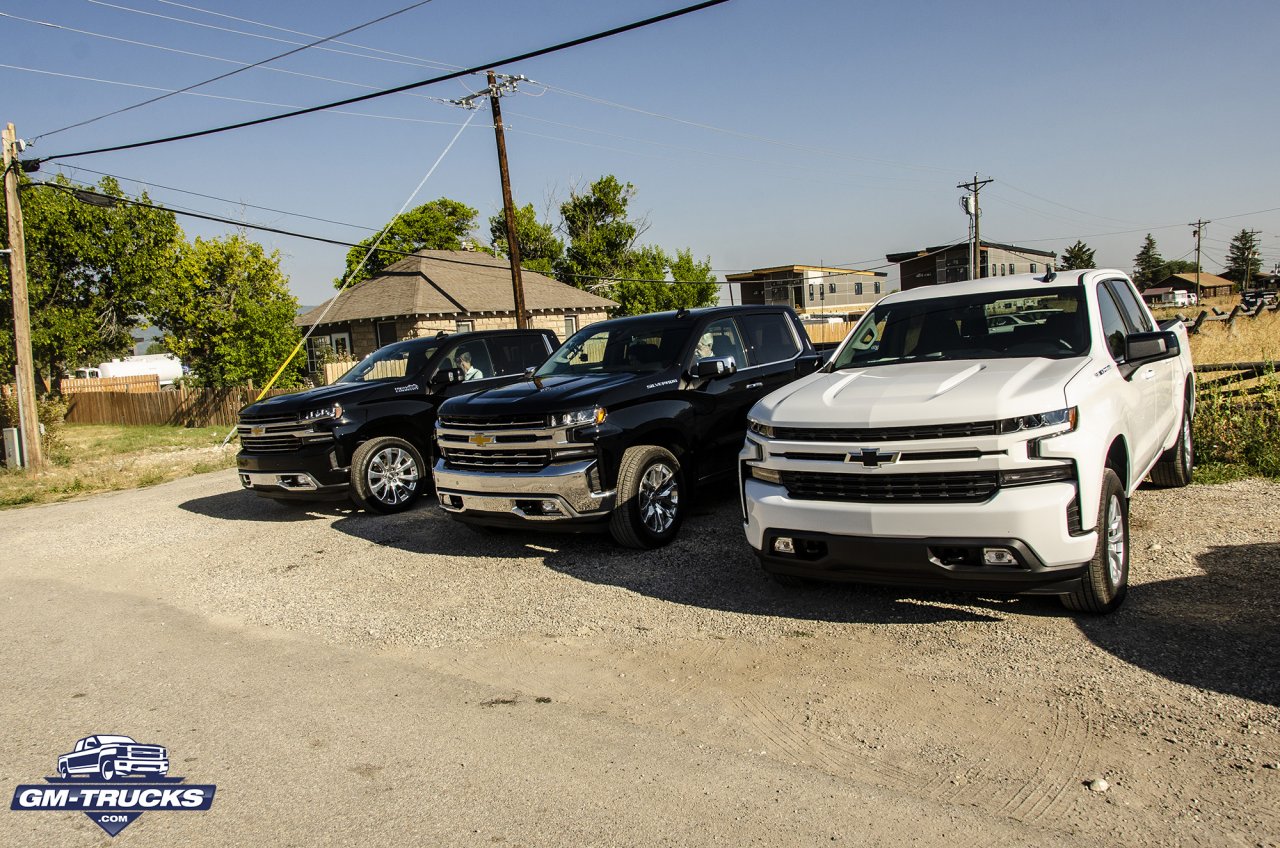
90,458
1246,340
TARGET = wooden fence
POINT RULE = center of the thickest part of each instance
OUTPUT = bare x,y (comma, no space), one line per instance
184,407
139,383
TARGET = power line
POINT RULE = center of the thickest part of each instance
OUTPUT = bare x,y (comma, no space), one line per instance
576,42
266,61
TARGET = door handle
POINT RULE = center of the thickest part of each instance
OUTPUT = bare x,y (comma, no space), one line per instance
754,385
1149,374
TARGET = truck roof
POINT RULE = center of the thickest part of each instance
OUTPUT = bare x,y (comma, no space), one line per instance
987,285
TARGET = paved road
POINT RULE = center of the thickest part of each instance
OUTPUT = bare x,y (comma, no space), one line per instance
330,672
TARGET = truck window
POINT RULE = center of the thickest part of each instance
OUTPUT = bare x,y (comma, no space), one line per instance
473,358
393,362
1113,326
627,346
721,338
770,338
513,354
1137,316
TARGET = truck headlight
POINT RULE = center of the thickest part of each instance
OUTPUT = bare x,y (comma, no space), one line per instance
322,413
579,417
760,428
1057,418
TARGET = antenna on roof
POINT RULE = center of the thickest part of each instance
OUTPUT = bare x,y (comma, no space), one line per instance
682,313
442,334
1049,276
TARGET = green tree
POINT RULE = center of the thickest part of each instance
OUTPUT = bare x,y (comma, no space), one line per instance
1148,265
441,224
1078,255
602,255
1175,266
228,314
1244,262
540,248
89,272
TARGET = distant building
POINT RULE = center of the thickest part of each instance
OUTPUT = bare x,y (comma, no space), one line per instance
810,288
449,290
1211,285
950,263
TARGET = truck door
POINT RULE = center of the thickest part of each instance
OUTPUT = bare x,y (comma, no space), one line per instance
722,403
1166,372
1138,392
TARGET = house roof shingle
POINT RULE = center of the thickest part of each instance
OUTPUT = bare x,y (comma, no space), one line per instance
449,282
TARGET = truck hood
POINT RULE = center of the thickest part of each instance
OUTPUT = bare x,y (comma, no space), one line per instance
912,393
561,394
319,396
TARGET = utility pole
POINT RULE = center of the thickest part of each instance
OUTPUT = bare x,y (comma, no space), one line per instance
1197,230
32,454
513,244
1246,276
975,249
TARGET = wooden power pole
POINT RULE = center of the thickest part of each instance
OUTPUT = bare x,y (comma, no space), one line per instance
513,244
32,454
1197,228
975,251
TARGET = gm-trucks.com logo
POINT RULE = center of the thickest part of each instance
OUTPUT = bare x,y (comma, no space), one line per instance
113,780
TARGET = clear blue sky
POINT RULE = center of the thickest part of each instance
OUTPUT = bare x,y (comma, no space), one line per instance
834,132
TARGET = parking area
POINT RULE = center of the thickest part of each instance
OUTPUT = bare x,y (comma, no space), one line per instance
339,675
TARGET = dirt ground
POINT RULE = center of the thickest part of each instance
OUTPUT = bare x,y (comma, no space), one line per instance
355,679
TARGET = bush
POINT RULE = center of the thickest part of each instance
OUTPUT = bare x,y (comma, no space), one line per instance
1240,429
51,411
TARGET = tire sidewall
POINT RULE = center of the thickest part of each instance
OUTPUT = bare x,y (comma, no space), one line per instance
363,460
1113,591
653,455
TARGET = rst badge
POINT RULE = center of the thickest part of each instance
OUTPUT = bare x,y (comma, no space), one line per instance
113,779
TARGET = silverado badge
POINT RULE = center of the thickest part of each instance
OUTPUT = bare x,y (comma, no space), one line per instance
480,440
257,431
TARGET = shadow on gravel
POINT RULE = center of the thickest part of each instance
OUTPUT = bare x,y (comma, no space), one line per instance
245,506
1217,631
709,566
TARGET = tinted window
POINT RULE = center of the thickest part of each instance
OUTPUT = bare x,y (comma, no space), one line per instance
513,354
1137,316
1113,326
393,362
473,358
721,338
629,346
769,338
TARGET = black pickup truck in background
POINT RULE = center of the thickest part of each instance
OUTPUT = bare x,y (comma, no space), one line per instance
369,434
617,427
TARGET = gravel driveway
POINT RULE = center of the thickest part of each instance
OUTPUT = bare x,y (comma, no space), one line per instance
864,714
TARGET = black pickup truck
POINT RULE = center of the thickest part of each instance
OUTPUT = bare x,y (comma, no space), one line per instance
368,435
617,427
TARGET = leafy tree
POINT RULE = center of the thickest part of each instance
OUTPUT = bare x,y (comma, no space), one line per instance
1148,265
1078,255
228,313
441,224
156,347
1244,262
89,272
602,255
1175,266
540,248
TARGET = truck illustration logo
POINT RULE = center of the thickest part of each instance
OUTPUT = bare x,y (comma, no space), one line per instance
113,779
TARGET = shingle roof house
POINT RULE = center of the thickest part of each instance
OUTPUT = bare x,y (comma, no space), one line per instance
452,290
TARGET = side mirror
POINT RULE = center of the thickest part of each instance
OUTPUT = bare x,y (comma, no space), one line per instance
712,367
1141,348
446,377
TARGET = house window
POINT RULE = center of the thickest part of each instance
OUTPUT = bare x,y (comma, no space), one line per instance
857,287
464,326
386,331
1012,268
811,291
570,325
876,287
1033,267
1003,272
831,288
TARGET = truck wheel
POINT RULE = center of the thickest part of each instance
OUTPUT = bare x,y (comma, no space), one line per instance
1174,467
1106,578
387,474
107,768
63,770
649,510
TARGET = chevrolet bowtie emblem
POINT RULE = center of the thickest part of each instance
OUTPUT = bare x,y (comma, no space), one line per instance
480,440
257,431
872,458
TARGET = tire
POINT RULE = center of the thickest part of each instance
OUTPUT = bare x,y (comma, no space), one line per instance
63,771
650,509
1173,469
1106,578
387,474
107,768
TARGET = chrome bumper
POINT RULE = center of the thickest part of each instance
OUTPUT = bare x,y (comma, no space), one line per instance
296,482
526,495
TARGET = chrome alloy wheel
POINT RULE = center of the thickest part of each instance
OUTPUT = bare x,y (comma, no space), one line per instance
393,475
659,497
1115,541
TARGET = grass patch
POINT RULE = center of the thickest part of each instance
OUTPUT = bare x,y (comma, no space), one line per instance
91,458
1213,473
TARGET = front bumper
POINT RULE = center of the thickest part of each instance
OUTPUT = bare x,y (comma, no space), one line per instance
923,544
557,493
309,475
142,766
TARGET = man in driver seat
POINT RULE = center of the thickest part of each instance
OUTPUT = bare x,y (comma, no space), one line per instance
469,371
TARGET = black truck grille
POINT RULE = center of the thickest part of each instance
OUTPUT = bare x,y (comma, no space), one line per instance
491,460
886,434
273,418
963,487
494,422
271,443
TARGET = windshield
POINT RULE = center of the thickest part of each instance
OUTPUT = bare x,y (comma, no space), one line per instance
994,325
392,362
620,348
113,740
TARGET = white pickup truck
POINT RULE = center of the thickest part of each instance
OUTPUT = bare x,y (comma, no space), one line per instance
985,435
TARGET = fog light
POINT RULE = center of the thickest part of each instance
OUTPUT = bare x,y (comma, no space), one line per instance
998,556
245,480
550,507
784,545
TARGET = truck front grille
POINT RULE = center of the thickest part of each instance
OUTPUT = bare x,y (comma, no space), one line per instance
495,460
886,434
276,433
962,487
272,418
494,422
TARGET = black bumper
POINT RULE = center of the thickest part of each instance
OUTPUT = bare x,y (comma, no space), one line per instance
927,563
319,464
